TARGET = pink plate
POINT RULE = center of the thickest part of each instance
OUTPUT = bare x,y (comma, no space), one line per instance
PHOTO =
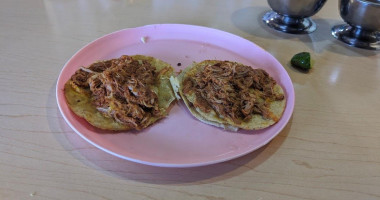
179,140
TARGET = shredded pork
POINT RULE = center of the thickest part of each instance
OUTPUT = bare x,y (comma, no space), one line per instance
232,90
120,88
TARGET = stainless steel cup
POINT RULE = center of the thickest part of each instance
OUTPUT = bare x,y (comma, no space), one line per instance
363,23
293,16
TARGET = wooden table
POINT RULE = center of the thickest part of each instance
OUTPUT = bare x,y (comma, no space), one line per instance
329,150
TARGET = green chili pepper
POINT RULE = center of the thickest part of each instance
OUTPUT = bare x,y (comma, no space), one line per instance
301,60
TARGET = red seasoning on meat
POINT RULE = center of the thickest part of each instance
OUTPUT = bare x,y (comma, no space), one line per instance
233,91
125,89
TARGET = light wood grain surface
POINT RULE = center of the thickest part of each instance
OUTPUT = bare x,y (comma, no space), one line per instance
329,150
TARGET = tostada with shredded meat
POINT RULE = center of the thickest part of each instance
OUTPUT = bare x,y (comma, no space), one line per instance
230,95
130,92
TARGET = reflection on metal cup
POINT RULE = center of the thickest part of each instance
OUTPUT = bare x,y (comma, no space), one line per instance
363,23
293,16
